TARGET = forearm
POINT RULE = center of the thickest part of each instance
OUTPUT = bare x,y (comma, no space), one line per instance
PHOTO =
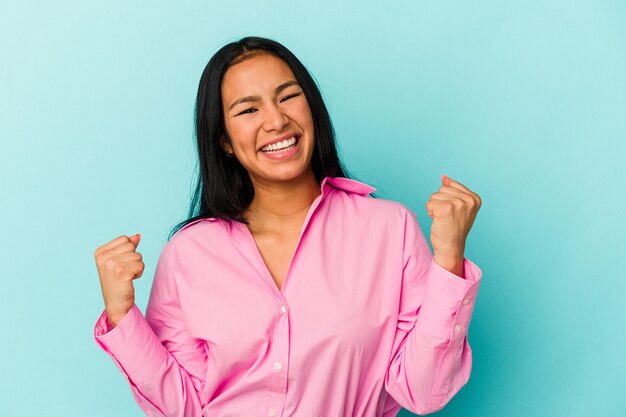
160,385
435,362
453,264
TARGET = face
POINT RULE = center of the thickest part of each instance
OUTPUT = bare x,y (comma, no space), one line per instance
263,104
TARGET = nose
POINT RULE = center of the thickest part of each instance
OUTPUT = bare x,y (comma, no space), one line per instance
274,118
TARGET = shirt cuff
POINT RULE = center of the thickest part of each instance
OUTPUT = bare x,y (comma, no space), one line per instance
449,302
132,344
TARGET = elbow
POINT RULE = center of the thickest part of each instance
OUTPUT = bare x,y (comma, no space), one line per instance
433,391
433,404
452,379
428,405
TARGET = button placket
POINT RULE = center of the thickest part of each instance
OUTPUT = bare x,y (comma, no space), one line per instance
278,363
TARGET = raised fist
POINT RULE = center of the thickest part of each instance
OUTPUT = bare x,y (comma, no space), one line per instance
118,265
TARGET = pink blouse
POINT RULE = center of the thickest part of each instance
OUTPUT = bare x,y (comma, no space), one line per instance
365,323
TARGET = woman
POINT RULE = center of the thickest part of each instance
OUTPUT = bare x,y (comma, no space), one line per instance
290,291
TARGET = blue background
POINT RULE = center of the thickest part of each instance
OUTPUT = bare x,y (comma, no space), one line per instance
523,102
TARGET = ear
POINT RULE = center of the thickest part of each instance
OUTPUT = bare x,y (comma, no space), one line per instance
225,144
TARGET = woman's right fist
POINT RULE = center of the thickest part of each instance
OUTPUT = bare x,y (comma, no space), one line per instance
118,265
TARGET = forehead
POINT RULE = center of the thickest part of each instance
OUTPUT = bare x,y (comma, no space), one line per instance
256,74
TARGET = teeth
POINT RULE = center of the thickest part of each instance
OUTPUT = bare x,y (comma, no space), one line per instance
279,145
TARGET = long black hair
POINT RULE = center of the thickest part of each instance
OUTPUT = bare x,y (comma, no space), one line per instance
223,187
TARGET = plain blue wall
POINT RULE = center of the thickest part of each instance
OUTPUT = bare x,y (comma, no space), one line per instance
523,102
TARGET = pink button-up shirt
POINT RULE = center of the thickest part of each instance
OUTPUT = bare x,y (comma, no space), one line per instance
365,323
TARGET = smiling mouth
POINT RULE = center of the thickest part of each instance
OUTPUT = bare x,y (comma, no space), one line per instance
282,146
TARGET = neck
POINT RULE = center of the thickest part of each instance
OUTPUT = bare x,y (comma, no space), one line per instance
281,205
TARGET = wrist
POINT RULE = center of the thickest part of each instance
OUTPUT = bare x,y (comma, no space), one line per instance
114,317
451,264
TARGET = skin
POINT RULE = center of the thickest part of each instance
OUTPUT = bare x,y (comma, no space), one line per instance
284,190
118,265
453,209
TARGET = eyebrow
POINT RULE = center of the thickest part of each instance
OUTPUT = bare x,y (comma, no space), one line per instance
277,90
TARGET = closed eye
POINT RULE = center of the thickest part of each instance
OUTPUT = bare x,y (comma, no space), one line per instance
289,96
247,111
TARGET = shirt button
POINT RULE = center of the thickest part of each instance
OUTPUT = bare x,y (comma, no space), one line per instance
457,328
283,309
277,365
466,301
271,412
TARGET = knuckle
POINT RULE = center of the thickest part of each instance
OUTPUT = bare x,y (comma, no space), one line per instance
100,253
118,269
109,263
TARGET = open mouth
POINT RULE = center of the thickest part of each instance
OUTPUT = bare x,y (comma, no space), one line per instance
282,146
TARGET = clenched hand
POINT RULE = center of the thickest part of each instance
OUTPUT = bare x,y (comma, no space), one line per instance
453,210
118,265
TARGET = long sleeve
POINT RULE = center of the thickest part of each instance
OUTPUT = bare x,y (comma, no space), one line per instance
431,358
162,362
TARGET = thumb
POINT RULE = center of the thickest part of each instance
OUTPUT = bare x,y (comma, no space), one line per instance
134,239
445,180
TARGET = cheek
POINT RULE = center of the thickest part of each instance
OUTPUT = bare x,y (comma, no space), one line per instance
302,112
242,131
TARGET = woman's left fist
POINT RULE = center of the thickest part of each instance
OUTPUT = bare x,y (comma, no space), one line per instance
453,210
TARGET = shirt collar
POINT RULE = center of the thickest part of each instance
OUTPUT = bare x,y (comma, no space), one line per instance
342,183
346,184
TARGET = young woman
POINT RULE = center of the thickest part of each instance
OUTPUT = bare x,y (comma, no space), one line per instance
290,291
